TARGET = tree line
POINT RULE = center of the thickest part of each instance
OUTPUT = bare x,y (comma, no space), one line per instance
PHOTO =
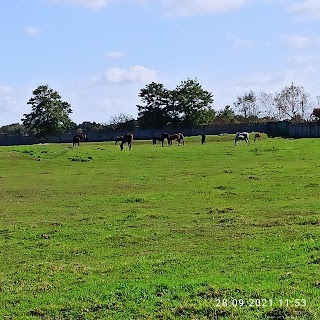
188,105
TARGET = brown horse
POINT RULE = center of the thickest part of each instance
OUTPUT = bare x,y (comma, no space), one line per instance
76,141
164,136
177,136
127,138
257,136
155,139
81,136
118,138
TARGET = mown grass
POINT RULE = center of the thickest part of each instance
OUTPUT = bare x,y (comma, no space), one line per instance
161,233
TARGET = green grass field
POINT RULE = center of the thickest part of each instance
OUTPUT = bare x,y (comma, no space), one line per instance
191,232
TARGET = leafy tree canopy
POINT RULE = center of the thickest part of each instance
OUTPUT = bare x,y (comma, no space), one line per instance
193,103
188,105
153,112
49,114
13,129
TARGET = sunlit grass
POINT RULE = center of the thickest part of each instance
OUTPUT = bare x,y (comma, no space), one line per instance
171,233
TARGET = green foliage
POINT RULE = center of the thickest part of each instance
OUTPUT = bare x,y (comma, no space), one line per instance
153,113
188,105
193,102
13,129
186,232
49,114
227,115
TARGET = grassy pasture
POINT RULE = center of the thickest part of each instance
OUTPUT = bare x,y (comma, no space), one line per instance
191,232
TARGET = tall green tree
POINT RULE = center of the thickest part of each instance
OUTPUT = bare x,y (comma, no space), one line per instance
49,114
13,129
153,112
193,103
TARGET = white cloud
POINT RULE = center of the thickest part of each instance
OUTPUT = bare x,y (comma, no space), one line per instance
4,90
201,7
260,80
32,31
302,41
241,43
171,7
13,104
310,8
115,54
90,4
132,75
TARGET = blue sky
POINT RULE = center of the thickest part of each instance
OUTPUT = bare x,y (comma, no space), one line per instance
98,54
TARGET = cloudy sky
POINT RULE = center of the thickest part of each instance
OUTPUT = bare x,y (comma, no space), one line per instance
98,54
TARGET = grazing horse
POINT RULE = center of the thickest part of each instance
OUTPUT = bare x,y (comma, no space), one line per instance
177,136
81,136
257,136
127,138
170,137
155,139
241,136
164,136
119,138
76,141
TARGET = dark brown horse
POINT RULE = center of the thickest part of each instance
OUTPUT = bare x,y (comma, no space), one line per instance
81,136
127,138
203,139
257,136
164,136
119,138
170,137
76,141
155,139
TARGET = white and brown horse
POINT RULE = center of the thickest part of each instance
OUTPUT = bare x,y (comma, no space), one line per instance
170,137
